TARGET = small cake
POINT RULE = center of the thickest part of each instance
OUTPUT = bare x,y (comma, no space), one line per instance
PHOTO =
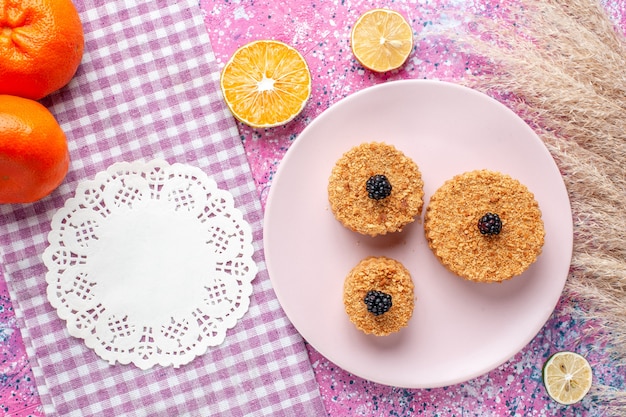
375,189
378,296
484,226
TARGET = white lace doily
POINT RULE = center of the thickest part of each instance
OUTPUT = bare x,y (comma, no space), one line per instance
150,263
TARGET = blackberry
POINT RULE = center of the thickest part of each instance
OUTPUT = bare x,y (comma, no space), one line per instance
490,224
377,302
378,187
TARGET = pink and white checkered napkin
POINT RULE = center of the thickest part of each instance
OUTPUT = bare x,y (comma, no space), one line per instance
148,88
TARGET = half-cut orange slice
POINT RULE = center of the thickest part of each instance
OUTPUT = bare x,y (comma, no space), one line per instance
567,377
382,40
266,83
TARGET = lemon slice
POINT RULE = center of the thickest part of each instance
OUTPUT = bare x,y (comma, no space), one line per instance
382,40
567,377
266,83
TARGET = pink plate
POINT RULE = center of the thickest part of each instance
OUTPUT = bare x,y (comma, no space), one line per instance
459,330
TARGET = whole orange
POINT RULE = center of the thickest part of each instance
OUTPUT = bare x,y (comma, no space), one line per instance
34,158
41,45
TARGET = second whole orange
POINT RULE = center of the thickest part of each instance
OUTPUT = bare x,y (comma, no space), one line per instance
34,156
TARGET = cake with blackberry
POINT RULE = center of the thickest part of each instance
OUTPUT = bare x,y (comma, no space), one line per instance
375,189
484,226
378,296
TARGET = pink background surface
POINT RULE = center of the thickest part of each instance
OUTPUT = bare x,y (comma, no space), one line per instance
320,31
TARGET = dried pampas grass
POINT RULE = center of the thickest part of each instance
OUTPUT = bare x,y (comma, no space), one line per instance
564,66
